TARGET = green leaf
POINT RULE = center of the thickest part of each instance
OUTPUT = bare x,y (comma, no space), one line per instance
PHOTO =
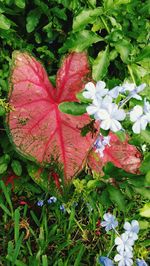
17,168
100,65
33,18
145,164
116,197
5,23
146,135
124,48
60,13
145,53
20,3
73,108
2,110
145,211
3,168
87,16
80,41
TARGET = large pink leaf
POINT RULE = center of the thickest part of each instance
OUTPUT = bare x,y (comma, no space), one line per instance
121,154
37,127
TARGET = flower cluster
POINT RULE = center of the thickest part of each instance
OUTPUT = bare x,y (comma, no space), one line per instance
105,108
51,200
100,144
124,242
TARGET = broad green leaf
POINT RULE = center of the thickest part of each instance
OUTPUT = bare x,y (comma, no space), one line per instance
20,3
2,110
145,211
143,191
146,135
33,18
73,108
124,48
147,179
116,197
145,53
17,168
3,168
5,23
100,65
145,167
87,16
80,41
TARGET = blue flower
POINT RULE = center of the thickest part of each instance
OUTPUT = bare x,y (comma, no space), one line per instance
62,208
106,261
141,262
51,200
110,221
40,203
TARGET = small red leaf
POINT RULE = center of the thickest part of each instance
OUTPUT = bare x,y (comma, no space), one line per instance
37,127
121,154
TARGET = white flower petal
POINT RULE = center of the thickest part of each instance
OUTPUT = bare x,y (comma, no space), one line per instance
117,257
136,127
129,86
115,125
105,124
89,86
91,109
100,85
119,114
103,114
136,113
127,226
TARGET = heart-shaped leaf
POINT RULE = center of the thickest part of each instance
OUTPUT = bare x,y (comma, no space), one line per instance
121,154
36,126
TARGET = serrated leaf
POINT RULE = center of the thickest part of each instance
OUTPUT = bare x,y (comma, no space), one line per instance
87,16
5,23
100,65
17,168
73,108
33,18
38,129
80,41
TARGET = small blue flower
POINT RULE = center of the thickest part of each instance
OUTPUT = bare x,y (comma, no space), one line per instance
105,261
40,203
51,200
62,208
141,262
110,222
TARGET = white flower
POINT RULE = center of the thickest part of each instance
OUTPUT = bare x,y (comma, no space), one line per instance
132,229
110,222
115,91
134,90
100,144
95,92
93,108
141,120
124,259
110,115
124,243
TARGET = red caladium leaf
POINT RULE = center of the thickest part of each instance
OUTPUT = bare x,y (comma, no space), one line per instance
37,127
121,154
